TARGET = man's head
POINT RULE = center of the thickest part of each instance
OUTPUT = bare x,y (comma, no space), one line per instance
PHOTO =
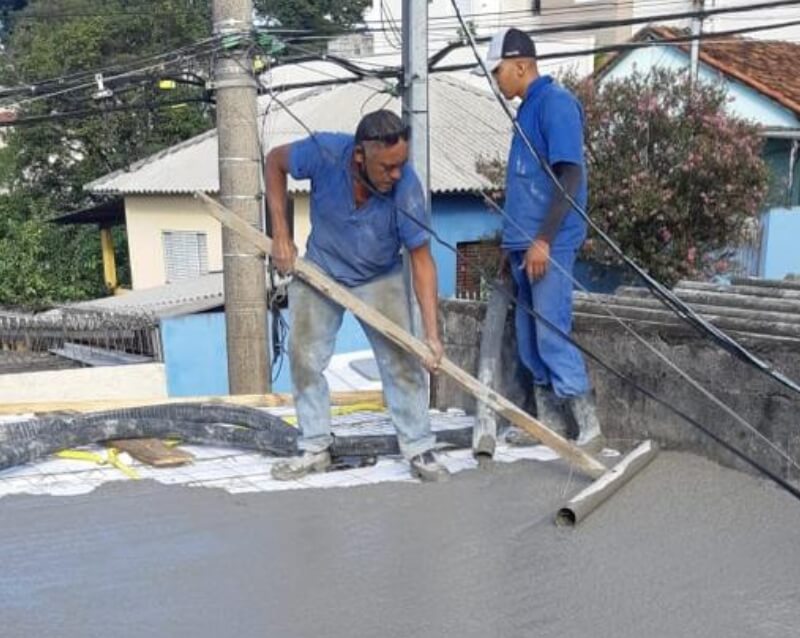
381,149
511,60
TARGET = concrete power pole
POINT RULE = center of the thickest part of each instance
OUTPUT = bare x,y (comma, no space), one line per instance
240,190
415,111
697,32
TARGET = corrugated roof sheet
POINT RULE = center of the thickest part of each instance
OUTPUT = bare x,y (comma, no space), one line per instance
466,124
179,298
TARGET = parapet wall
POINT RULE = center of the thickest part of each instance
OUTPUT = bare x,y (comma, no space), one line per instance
763,316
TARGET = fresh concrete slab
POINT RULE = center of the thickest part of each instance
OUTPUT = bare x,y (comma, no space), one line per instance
686,549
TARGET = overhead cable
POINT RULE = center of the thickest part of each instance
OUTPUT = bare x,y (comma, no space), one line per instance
650,394
668,298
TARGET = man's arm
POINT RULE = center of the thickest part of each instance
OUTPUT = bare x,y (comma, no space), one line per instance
537,257
423,269
284,252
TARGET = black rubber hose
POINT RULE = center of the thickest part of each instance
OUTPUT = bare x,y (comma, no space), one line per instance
277,435
26,441
198,413
386,444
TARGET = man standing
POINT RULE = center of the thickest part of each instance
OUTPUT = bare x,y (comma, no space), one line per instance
364,203
543,233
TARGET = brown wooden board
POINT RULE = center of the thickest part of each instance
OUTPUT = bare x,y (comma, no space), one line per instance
333,290
153,452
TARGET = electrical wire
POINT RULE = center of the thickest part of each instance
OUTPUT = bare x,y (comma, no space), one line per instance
118,68
668,298
531,311
108,80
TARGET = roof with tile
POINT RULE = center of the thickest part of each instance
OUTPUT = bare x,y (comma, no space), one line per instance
768,66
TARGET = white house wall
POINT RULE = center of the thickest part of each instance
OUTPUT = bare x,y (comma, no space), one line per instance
147,217
144,380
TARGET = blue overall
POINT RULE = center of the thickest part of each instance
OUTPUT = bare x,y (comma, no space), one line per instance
552,119
360,248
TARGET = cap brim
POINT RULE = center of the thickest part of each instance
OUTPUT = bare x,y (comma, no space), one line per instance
491,65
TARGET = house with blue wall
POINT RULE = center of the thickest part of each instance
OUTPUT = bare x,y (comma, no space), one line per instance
763,83
175,245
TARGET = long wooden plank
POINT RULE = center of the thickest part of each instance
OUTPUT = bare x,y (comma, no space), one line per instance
250,400
331,289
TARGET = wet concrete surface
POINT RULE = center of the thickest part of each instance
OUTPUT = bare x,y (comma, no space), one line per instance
687,549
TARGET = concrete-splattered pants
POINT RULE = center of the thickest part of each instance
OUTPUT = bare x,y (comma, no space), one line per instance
550,358
315,321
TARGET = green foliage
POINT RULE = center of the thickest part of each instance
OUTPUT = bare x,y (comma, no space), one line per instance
41,263
44,166
320,16
674,179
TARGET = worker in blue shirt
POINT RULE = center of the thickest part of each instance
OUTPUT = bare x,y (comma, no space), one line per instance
542,234
365,199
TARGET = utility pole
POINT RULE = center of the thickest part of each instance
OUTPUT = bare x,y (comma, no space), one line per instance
697,32
240,190
415,114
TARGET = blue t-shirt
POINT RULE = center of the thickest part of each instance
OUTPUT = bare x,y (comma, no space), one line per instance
354,245
552,119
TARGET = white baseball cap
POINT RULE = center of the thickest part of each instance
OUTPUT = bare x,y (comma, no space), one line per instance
507,43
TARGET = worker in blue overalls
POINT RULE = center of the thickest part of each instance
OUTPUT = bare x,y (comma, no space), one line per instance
366,203
542,234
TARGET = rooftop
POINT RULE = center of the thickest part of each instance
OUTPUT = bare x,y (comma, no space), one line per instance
768,66
184,297
467,125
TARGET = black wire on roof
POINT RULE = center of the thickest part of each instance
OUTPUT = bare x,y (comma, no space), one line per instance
599,360
667,297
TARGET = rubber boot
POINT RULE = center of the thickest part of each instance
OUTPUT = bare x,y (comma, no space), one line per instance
583,412
549,410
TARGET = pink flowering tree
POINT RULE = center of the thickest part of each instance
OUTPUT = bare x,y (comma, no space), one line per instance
674,179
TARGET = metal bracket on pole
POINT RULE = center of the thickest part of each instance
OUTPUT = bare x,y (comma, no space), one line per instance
238,83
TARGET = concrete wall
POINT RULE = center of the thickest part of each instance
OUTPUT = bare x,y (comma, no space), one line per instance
627,415
147,217
195,354
145,380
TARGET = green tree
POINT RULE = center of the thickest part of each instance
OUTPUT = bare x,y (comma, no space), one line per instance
674,178
319,16
44,166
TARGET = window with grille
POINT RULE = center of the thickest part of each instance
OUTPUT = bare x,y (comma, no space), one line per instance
185,254
475,261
